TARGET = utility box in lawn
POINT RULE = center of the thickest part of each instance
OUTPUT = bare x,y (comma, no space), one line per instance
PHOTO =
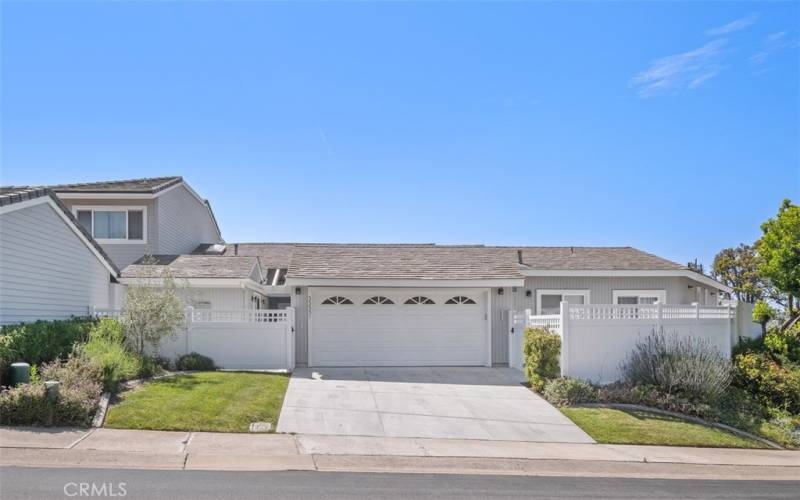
19,373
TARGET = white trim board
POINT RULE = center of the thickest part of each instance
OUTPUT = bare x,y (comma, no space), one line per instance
681,273
406,283
198,282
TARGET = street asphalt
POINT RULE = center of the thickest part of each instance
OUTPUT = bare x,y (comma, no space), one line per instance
40,484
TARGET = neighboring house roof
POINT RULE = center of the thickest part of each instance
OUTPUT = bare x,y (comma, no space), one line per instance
190,266
144,185
593,258
10,195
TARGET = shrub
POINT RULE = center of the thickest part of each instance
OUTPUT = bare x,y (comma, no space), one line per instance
194,361
784,345
79,391
687,366
773,385
41,341
152,366
25,405
569,391
541,350
648,395
107,351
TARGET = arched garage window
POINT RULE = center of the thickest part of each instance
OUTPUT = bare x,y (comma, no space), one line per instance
336,301
460,300
419,300
378,300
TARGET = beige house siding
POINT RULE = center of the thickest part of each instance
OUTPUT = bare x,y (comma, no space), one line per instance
46,270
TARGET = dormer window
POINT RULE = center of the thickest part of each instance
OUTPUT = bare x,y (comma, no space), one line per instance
114,224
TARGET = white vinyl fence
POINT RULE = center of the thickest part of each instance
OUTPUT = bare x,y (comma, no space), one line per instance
238,339
595,339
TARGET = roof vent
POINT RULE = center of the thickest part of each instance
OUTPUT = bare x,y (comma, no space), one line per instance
571,250
519,256
216,249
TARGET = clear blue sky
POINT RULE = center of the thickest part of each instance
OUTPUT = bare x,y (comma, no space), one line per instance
672,127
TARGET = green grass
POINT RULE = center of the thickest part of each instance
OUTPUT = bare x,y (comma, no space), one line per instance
205,401
612,426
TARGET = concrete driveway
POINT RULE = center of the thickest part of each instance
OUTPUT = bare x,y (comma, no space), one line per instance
454,403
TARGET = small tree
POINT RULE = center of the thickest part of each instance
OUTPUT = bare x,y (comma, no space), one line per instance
738,268
779,254
152,311
762,314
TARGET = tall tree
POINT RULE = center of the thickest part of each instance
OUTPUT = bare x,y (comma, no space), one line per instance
738,268
779,253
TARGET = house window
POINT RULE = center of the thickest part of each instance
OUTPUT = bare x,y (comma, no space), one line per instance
378,300
549,301
114,224
336,301
634,297
420,300
460,300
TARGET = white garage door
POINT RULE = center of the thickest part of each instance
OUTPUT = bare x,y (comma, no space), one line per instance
397,327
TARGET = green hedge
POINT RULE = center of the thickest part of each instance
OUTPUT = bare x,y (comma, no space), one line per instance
541,350
41,341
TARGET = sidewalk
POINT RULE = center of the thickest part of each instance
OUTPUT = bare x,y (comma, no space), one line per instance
110,448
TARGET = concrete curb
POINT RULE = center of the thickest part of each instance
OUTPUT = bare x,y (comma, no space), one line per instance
102,408
96,459
696,420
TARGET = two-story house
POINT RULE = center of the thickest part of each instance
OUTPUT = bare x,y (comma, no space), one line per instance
62,247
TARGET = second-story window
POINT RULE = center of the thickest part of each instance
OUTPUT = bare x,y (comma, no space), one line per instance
112,224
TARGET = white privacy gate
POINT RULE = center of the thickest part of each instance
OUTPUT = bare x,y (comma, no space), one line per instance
238,339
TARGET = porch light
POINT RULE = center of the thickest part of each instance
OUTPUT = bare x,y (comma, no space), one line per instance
500,291
528,293
297,290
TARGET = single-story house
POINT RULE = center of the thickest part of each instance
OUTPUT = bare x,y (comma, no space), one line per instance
419,304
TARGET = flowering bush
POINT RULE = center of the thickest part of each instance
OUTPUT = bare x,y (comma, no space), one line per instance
689,367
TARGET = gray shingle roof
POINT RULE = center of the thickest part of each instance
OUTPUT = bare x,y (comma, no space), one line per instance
190,266
403,262
144,185
430,261
594,259
15,194
270,255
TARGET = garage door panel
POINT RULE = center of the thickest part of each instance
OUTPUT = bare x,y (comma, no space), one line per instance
397,334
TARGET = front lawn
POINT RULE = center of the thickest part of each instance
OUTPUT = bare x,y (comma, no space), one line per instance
204,401
612,426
